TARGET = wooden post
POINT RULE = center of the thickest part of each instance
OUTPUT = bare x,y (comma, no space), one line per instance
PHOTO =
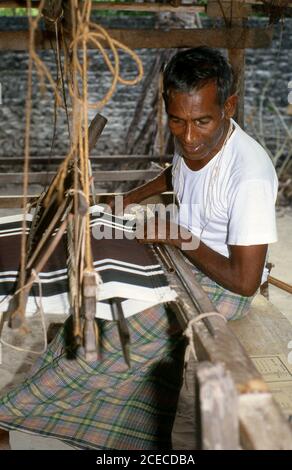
237,60
233,12
218,408
262,424
186,431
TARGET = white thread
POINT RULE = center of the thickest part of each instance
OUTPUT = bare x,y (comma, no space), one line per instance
188,332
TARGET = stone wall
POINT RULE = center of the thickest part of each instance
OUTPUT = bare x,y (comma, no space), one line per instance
272,66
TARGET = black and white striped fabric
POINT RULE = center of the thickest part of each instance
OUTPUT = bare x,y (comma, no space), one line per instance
128,269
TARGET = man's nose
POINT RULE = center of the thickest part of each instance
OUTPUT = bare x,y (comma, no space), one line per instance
190,133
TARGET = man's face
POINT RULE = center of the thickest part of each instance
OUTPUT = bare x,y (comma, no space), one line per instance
198,122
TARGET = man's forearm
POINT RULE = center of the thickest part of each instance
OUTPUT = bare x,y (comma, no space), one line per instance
215,266
227,272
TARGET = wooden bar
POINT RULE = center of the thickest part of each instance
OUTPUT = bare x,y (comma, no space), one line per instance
237,61
131,6
127,6
215,342
213,338
149,7
262,424
218,408
46,177
228,9
16,201
230,38
112,159
280,284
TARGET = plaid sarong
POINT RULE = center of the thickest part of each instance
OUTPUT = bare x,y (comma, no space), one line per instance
229,304
103,404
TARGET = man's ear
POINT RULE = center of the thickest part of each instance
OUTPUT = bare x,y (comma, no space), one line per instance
230,106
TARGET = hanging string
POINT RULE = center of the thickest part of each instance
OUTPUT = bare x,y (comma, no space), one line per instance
97,35
40,310
84,33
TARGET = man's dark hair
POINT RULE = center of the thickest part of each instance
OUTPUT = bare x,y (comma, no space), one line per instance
193,68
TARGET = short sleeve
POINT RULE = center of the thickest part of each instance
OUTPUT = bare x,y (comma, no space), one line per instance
252,218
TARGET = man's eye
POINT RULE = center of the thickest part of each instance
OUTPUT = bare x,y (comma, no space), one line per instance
203,122
175,120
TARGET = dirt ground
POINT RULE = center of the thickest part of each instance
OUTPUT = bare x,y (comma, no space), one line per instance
280,254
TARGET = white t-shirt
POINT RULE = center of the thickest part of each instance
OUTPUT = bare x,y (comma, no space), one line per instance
231,200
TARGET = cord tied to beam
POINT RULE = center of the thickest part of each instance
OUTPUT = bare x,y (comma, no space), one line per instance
188,332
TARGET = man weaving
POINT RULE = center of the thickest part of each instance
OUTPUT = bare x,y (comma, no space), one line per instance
224,181
226,188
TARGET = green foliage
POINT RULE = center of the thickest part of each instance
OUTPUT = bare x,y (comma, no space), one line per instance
17,11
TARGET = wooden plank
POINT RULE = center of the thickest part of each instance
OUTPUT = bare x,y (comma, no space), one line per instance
228,8
218,408
112,159
262,424
266,335
223,346
16,201
46,177
230,38
149,7
186,431
237,61
213,338
214,341
127,6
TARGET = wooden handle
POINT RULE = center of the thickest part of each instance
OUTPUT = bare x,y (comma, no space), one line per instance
282,285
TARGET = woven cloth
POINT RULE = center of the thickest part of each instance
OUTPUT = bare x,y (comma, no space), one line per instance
128,270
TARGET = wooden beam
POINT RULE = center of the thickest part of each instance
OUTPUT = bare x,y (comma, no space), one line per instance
127,6
218,408
96,159
237,60
214,341
262,424
46,177
149,7
230,38
229,9
213,338
16,201
131,6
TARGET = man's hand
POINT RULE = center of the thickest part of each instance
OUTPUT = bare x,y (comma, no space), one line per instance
159,230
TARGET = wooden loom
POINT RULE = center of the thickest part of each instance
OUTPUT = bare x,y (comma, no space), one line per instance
214,340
